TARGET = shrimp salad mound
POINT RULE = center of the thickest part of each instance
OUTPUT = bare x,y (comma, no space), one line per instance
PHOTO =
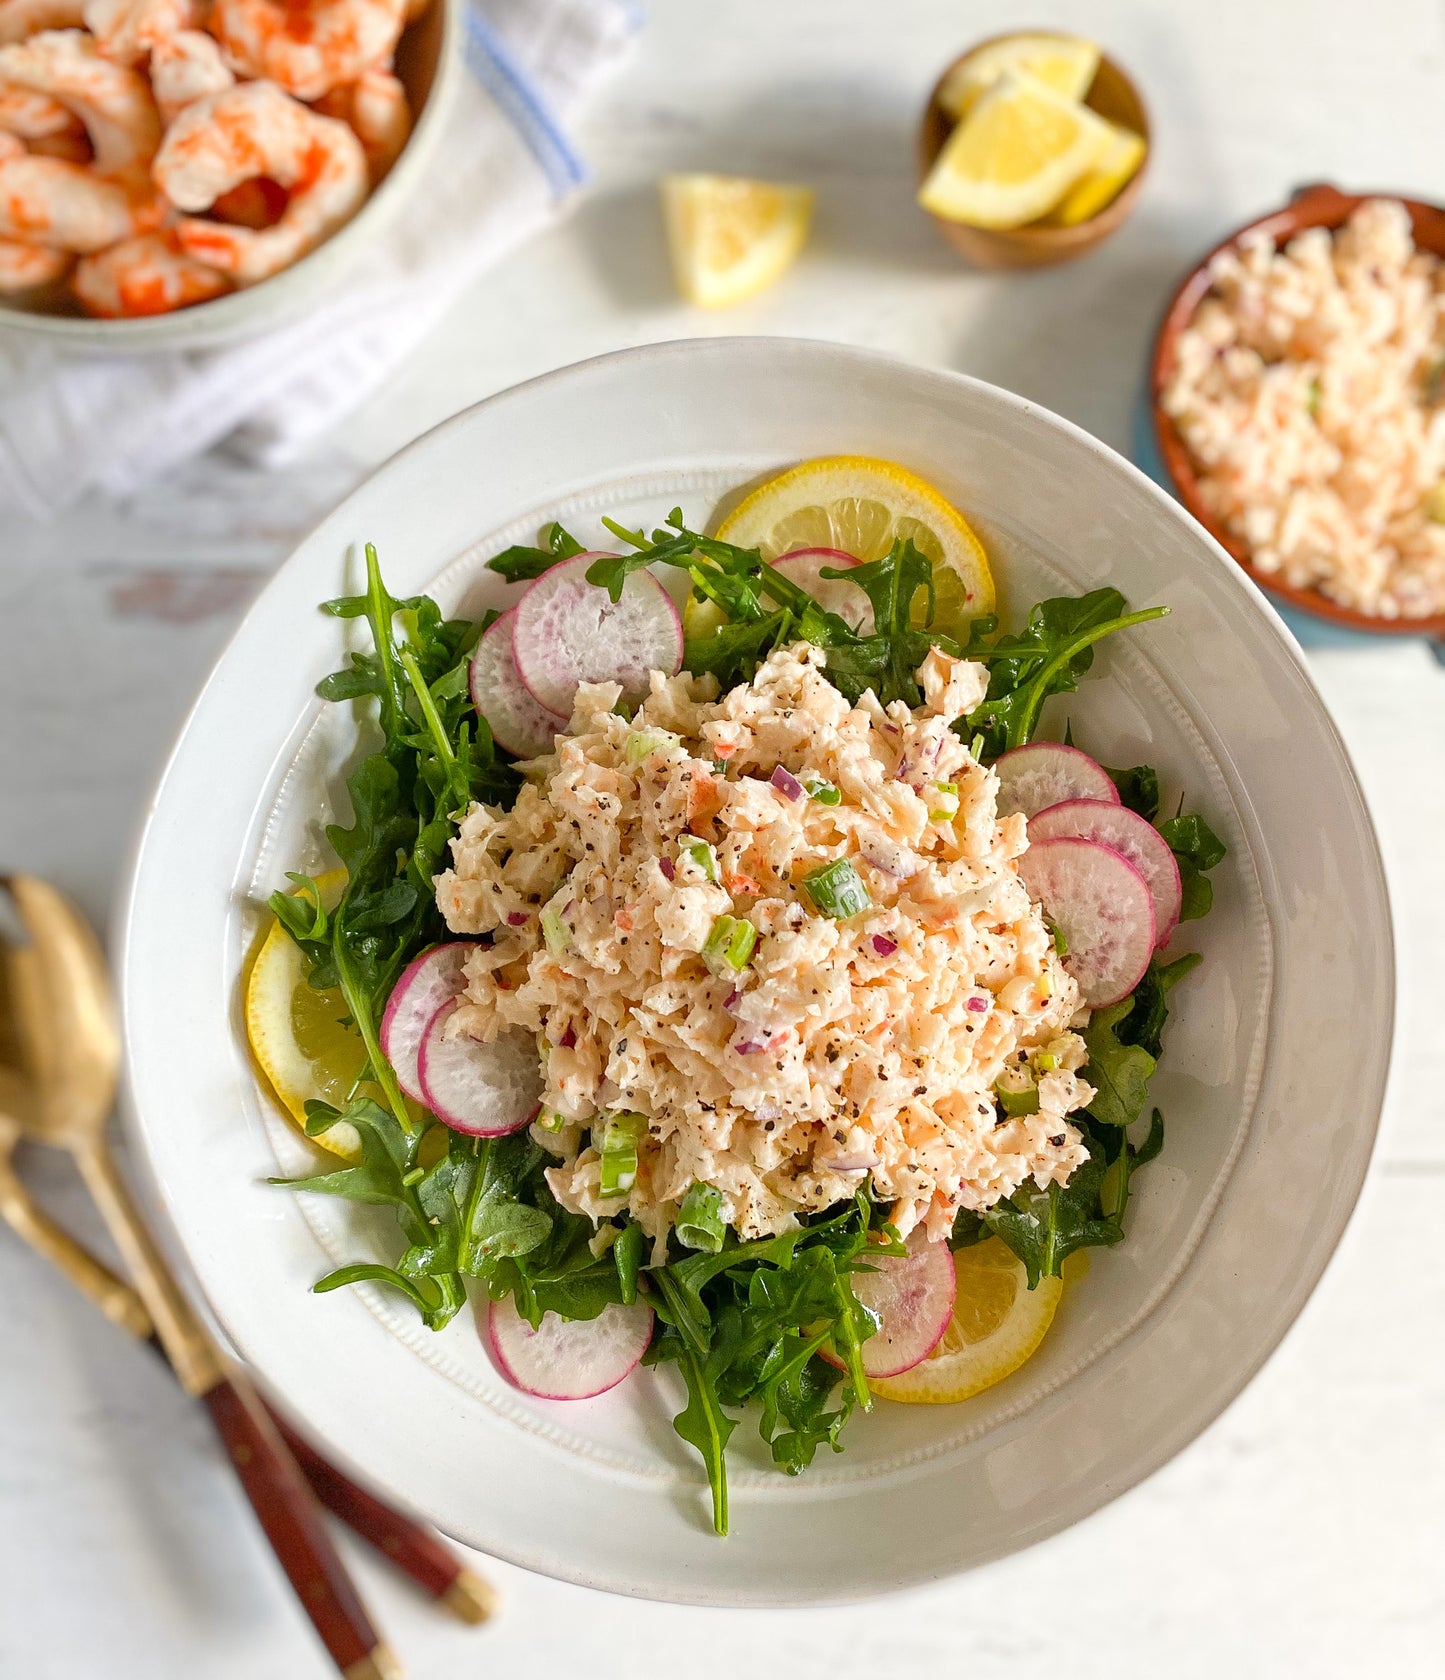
700,972
754,993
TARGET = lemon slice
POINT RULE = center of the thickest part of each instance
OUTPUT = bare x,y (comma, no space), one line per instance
1104,182
862,506
1065,63
1015,156
299,1035
997,1325
731,238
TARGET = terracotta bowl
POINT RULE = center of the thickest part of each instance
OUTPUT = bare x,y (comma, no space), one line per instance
1112,95
1320,205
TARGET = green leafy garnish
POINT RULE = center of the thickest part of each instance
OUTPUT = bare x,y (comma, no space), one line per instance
1196,848
520,562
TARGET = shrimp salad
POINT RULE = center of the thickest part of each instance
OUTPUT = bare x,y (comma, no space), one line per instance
722,982
156,154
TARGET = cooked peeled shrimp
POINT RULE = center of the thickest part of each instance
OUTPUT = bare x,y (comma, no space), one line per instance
307,47
20,19
186,67
34,116
26,268
46,202
128,30
147,275
256,129
113,102
375,105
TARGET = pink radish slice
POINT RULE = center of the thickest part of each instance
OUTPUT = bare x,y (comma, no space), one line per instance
836,595
568,1359
485,1090
567,631
518,723
1133,837
1100,903
1045,773
428,983
911,1295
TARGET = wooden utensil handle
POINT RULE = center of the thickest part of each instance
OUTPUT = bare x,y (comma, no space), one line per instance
290,1517
432,1564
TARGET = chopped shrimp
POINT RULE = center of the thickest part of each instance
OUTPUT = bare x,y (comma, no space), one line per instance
34,116
148,275
376,107
128,30
26,268
113,102
46,202
185,67
20,19
307,47
254,129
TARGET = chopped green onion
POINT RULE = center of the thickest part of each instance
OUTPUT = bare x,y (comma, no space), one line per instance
975,747
619,1153
1044,1062
823,792
703,856
642,743
945,801
555,932
699,1220
730,945
1018,1102
415,1176
837,890
1061,943
551,1121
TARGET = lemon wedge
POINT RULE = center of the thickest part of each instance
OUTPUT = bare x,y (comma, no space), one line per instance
1065,63
1104,182
997,1325
862,506
731,238
1015,156
300,1036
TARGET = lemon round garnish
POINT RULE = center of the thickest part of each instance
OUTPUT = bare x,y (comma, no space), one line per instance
997,1325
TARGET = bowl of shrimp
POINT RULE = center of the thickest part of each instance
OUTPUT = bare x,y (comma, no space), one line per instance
179,173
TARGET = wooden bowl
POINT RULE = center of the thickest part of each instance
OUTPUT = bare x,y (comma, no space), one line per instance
1319,205
1112,95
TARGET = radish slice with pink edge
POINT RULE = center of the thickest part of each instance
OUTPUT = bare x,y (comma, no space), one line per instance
426,984
567,631
568,1358
911,1297
518,724
485,1090
1100,903
1045,773
836,595
1133,837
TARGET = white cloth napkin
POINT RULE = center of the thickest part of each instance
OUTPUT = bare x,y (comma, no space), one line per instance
504,168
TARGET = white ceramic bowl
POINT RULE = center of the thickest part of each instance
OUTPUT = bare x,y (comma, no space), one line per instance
1271,1087
428,61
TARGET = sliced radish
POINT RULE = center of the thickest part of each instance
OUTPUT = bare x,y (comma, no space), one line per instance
485,1090
1133,837
567,631
518,723
425,986
911,1295
1045,773
1100,903
566,1358
836,595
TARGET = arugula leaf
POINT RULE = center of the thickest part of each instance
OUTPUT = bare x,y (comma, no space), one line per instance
1196,848
520,561
1044,1227
887,660
1138,789
1144,1025
702,1423
1119,1071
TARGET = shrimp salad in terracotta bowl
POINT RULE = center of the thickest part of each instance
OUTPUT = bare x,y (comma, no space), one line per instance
748,990
159,156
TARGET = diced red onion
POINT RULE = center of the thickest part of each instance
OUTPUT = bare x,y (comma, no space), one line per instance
891,859
787,783
978,1004
730,1002
568,1038
516,918
668,868
849,1163
883,945
749,1047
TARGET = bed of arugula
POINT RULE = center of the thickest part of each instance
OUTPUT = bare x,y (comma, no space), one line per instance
746,1322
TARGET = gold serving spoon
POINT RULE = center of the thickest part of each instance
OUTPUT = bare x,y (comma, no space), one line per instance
65,1033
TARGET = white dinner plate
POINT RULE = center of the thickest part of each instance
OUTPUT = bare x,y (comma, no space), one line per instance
1271,1087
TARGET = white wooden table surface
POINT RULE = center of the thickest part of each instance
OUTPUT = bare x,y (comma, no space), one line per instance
1305,1532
